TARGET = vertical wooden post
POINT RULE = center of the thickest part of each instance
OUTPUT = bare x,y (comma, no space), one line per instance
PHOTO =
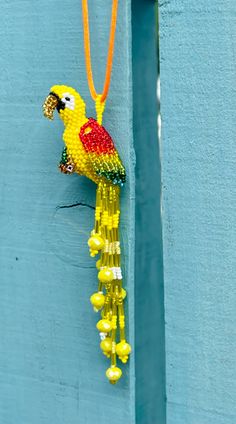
150,352
198,106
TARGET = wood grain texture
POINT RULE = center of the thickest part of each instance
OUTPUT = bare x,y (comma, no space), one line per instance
51,369
198,104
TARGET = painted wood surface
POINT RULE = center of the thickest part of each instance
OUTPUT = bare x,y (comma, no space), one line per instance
150,345
51,368
198,106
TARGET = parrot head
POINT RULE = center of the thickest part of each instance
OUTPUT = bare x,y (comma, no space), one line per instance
67,101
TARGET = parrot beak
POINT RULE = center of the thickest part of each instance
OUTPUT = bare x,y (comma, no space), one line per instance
51,103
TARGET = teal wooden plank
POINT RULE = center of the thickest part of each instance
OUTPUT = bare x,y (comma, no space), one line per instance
198,104
51,369
150,345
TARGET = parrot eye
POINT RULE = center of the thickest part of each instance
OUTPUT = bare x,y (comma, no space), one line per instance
69,101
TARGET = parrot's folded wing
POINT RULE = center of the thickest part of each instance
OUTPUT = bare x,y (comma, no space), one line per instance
102,152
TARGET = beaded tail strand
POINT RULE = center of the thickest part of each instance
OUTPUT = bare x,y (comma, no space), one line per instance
110,294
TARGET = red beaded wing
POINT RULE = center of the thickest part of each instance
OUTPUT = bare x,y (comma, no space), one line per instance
102,153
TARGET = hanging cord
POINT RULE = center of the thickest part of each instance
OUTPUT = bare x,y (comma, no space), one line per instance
99,98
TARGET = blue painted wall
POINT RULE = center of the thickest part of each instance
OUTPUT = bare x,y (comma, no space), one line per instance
51,369
198,106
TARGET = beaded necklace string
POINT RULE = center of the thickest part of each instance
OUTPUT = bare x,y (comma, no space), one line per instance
99,99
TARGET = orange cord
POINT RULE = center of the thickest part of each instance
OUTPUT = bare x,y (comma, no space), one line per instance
87,50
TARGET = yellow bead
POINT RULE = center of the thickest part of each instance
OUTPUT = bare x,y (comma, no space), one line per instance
123,348
113,374
97,300
106,275
96,242
105,345
124,359
123,293
98,264
104,326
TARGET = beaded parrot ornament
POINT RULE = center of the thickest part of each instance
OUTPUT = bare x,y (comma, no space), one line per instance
89,150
